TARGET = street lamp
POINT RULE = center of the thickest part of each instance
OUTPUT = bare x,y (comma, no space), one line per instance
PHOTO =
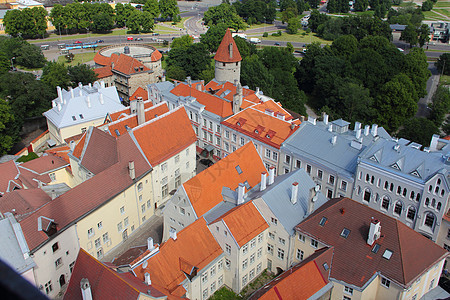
12,63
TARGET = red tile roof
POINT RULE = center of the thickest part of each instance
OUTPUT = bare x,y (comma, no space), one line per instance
23,202
354,262
223,53
194,246
165,136
227,90
140,92
79,147
85,197
244,222
103,72
132,121
45,163
60,151
156,55
127,65
261,126
102,60
105,283
216,105
10,174
301,281
205,189
114,116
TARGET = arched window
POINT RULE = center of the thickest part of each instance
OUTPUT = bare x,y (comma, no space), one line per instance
442,192
372,180
411,213
436,190
412,195
386,185
430,188
439,205
140,187
398,208
418,197
385,203
427,201
391,188
399,190
433,203
439,181
367,195
367,177
404,192
429,220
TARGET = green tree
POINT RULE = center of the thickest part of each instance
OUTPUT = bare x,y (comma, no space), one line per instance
81,73
182,42
123,13
152,7
316,19
419,130
8,136
416,68
193,59
293,25
427,5
134,21
102,22
55,74
361,5
446,126
409,35
345,45
5,64
245,48
440,106
424,34
30,22
169,9
57,17
226,14
176,72
147,22
29,56
443,64
289,47
288,14
255,74
212,38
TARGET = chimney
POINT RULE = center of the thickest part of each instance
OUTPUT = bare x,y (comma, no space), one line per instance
358,134
230,49
102,101
72,145
80,85
374,130
241,193
131,170
189,81
325,118
294,194
59,106
88,101
292,126
334,139
312,198
263,183
60,96
302,119
269,112
133,105
357,126
140,111
271,175
90,84
434,142
173,234
86,293
102,84
71,92
150,245
366,130
199,87
257,91
236,82
330,127
148,281
312,120
374,231
237,101
163,78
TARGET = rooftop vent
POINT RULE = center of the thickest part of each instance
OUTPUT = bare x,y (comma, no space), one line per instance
126,50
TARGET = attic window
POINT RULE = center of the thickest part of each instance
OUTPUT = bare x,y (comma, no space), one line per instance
238,169
415,173
74,118
268,136
81,116
395,166
345,232
238,124
117,132
387,254
325,266
323,221
376,248
247,185
373,158
256,131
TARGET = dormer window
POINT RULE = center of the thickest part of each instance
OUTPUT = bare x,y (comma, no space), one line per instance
325,266
268,136
256,131
81,116
238,124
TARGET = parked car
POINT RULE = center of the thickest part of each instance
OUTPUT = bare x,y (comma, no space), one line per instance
130,38
138,39
277,44
155,33
78,42
100,41
206,162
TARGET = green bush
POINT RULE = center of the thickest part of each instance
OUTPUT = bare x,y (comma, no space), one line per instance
25,158
265,34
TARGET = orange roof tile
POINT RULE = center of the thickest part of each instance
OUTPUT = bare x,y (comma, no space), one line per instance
301,281
228,89
156,55
447,137
275,107
79,147
140,92
103,72
165,136
45,163
216,105
114,116
9,172
205,189
261,126
223,53
61,152
127,65
244,222
23,202
102,60
132,121
194,246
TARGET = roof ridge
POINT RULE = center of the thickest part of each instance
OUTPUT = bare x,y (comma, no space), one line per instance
400,249
158,118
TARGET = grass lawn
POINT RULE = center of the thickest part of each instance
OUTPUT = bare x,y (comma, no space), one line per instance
407,4
444,80
444,11
298,38
431,16
79,58
179,24
441,4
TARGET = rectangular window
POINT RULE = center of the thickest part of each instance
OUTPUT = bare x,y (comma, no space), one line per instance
220,265
252,258
300,254
242,141
220,280
268,152
275,156
148,204
165,190
210,125
97,243
274,221
287,159
204,134
99,225
90,232
228,248
271,235
244,280
187,165
227,146
58,262
385,282
218,128
142,210
348,290
227,134
308,169
280,253
329,193
205,294
205,277
331,179
301,237
298,164
314,243
164,167
343,185
244,264
182,211
218,141
48,287
320,174
234,137
105,238
122,210
245,249
227,263
259,252
282,241
251,275
52,176
125,222
177,158
55,247
260,238
213,287
270,249
213,271
253,243
119,226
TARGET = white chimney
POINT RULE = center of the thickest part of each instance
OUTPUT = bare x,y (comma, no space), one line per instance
263,183
374,231
374,130
357,126
53,103
71,92
434,142
86,293
100,97
358,133
150,245
325,118
90,84
72,145
148,281
334,139
271,175
292,125
163,78
133,105
58,89
312,120
173,234
366,130
294,194
269,112
131,170
199,87
257,91
188,80
102,84
330,127
241,192
59,106
88,101
80,85
140,111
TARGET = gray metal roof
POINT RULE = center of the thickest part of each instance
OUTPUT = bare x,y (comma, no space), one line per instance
314,143
10,251
79,110
163,86
400,157
278,197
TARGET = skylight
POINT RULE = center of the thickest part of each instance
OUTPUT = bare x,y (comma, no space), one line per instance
323,221
325,266
376,248
387,254
345,232
117,132
238,169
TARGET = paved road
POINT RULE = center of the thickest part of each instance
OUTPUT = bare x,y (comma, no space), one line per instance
432,83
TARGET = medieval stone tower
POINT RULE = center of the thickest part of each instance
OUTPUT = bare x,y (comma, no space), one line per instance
228,60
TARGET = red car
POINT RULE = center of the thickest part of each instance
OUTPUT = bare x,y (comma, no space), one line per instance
130,38
78,42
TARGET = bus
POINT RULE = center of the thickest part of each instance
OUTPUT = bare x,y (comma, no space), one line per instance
45,47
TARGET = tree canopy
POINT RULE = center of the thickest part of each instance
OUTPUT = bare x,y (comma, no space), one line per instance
226,14
28,23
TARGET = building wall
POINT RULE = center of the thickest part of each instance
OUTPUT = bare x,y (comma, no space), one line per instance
140,79
78,128
29,276
54,132
304,243
109,81
109,225
61,176
46,272
227,71
443,238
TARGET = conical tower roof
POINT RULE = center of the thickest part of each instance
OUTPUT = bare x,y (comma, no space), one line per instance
228,51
